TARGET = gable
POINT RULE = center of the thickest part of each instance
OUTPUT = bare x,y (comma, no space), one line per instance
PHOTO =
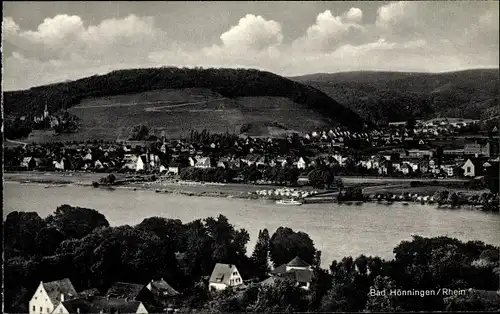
223,273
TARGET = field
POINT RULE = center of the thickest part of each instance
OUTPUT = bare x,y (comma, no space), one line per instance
178,111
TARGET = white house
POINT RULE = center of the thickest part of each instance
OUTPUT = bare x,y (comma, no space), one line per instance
203,162
469,168
301,164
100,305
140,163
58,165
223,276
50,294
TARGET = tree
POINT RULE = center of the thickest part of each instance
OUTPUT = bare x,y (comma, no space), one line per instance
260,254
48,240
139,133
285,244
283,296
380,298
20,230
170,230
470,301
76,222
109,179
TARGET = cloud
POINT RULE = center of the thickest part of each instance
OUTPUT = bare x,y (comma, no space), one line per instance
253,42
331,31
252,33
406,36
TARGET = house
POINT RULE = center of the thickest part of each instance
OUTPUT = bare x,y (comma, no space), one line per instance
100,305
48,295
162,288
98,164
406,168
174,168
472,168
163,291
129,291
88,157
449,170
298,270
224,276
303,180
200,162
58,165
140,163
302,163
29,163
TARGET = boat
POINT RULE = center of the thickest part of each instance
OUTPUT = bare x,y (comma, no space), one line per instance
289,202
406,203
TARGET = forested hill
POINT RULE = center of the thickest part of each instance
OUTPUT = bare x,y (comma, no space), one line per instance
396,96
226,82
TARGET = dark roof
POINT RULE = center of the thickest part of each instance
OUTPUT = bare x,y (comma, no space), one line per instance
164,288
279,270
301,275
221,273
297,262
89,293
55,288
98,304
125,290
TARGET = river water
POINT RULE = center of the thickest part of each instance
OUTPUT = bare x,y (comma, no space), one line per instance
337,230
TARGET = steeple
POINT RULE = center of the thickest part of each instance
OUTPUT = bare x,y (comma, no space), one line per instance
45,111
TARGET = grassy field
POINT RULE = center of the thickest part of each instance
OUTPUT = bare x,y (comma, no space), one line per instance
178,111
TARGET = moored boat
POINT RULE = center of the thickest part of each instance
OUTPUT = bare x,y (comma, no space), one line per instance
291,202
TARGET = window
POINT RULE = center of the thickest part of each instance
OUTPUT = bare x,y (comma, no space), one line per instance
48,310
34,308
468,169
41,309
60,310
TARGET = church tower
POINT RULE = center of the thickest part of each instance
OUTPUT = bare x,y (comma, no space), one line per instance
45,111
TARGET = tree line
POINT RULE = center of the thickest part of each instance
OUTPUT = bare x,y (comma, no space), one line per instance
80,244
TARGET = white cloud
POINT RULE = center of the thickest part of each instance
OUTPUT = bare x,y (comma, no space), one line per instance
330,31
9,27
252,33
354,15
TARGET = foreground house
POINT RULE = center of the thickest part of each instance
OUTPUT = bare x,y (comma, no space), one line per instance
100,305
224,276
49,295
163,292
297,270
129,291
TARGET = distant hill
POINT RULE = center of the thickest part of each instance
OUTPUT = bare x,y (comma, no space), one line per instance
397,96
189,99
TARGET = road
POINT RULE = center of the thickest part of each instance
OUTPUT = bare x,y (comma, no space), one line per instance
182,105
16,142
354,180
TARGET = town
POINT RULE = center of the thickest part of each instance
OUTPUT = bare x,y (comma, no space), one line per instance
432,150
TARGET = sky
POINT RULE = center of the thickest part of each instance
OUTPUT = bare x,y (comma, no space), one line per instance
48,42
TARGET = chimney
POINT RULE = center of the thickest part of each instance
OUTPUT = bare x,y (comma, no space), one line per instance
78,310
62,297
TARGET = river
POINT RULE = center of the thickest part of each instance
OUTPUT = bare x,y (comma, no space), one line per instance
337,230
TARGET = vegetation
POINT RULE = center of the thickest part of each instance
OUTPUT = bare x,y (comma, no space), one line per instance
394,96
227,82
78,243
